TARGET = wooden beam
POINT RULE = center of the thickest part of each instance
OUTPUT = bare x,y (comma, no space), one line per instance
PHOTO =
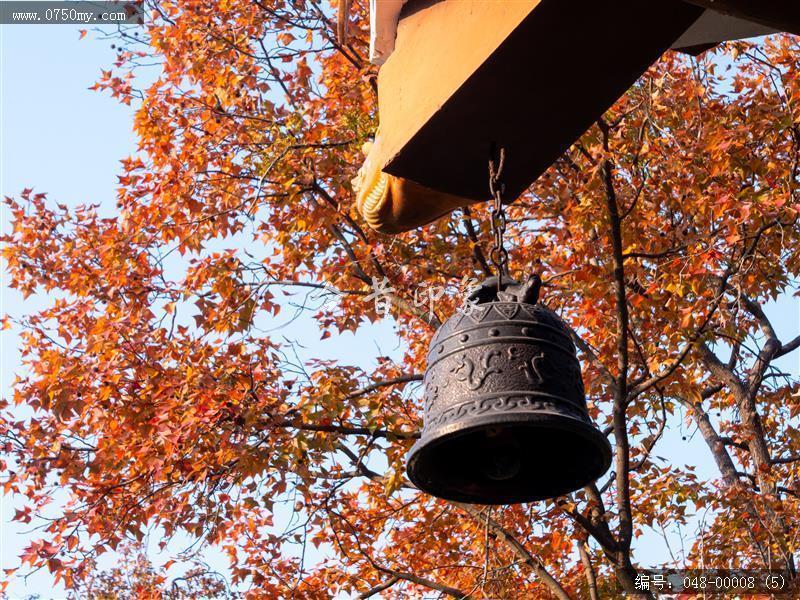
528,75
783,15
714,27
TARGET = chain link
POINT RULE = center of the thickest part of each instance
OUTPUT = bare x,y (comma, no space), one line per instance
498,254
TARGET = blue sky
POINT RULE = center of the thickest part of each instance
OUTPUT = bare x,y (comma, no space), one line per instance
61,138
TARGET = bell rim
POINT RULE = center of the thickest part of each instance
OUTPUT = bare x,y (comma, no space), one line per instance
555,420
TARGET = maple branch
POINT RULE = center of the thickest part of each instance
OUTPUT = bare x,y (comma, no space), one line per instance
745,395
728,441
387,382
282,17
780,349
754,308
716,444
276,74
379,588
358,271
353,430
635,201
785,460
720,371
649,446
416,579
656,255
356,61
347,430
590,354
527,558
358,463
591,578
594,526
788,347
428,583
667,371
348,219
429,318
309,284
773,347
624,568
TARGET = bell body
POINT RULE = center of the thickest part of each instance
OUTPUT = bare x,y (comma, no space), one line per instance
505,410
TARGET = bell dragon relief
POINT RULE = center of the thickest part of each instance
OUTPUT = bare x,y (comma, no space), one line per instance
505,409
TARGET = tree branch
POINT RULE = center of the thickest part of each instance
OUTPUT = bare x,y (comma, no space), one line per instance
347,430
590,354
622,455
529,559
716,444
788,347
785,460
591,578
379,588
428,583
379,384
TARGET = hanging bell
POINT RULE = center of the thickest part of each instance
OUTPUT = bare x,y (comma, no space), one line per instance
505,410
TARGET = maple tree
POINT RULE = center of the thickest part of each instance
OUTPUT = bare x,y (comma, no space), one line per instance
135,576
157,401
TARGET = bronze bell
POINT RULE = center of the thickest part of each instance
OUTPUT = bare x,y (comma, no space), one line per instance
505,410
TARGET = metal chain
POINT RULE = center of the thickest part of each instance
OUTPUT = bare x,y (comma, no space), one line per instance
498,254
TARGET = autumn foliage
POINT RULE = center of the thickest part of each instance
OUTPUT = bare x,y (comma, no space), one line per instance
135,576
159,398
